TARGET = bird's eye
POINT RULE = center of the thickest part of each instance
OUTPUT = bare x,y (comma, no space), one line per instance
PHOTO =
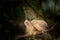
27,23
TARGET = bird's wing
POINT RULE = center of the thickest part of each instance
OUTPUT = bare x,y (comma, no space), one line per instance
40,25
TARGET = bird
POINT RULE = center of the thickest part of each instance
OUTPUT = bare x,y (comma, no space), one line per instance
35,27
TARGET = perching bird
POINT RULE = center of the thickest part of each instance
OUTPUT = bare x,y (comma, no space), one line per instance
35,27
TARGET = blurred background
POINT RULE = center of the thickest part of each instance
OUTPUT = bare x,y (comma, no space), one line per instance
12,14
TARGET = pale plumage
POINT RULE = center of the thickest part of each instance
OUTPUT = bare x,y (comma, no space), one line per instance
40,25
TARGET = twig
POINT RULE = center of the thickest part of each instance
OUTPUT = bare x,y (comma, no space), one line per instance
52,27
26,35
